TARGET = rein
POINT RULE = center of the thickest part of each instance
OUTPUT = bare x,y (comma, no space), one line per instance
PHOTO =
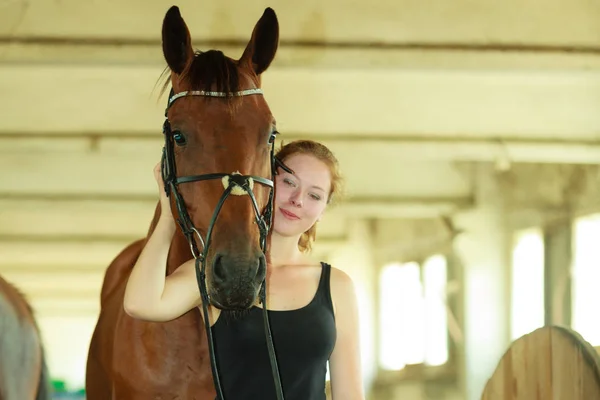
234,182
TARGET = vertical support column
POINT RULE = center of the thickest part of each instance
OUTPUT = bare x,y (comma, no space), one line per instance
483,249
356,259
557,277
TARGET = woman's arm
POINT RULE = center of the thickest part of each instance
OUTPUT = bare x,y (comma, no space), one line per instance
149,294
344,363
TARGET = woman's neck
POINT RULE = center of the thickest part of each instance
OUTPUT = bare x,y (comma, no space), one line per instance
284,250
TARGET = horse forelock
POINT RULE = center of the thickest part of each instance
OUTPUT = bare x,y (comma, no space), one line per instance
209,71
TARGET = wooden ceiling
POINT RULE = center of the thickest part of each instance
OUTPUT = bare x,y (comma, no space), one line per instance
406,93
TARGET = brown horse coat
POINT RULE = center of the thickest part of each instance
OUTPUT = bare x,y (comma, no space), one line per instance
131,359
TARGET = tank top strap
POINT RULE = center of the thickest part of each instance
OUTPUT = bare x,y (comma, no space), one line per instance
324,289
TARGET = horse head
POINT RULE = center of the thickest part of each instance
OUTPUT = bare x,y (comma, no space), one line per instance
218,158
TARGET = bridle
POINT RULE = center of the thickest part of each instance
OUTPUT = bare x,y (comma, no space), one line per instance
235,181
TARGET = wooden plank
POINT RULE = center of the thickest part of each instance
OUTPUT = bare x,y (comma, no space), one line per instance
316,56
76,220
73,293
372,148
72,258
130,174
382,21
552,362
121,221
48,254
47,282
426,103
78,173
65,307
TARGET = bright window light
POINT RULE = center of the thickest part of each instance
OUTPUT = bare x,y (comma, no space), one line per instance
527,303
436,321
413,314
586,278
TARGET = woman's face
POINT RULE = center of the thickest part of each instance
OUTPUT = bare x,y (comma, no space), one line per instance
301,198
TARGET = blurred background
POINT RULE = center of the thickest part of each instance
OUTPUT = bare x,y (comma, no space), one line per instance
468,133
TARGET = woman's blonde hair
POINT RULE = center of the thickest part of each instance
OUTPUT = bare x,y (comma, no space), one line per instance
322,153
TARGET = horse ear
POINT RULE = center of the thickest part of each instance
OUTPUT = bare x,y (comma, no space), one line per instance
261,48
176,41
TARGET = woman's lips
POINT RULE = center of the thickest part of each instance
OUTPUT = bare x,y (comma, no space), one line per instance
289,214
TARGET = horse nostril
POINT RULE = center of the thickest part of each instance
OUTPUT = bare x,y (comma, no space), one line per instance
218,269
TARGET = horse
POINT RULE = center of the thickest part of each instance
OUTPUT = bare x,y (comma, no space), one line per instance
218,127
24,374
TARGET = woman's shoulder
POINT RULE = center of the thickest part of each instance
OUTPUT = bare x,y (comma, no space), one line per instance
341,282
339,276
342,291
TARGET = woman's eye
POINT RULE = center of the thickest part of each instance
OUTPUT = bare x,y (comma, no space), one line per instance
179,138
288,182
315,197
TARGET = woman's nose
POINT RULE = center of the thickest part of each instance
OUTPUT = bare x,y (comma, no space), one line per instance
296,200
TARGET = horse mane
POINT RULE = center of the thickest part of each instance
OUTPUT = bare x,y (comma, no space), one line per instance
208,71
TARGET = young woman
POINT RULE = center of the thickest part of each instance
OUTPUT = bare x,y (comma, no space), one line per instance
312,306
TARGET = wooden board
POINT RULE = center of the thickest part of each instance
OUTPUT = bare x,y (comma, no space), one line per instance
550,363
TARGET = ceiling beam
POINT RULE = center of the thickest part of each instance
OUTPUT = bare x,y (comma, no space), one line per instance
64,255
370,147
58,254
57,291
314,55
27,271
383,21
114,223
123,171
65,307
461,149
358,102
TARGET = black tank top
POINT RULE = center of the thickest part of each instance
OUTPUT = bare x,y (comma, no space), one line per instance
304,339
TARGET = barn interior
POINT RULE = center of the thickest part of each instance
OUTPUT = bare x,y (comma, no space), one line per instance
468,134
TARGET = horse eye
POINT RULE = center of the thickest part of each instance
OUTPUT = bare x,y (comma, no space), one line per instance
179,138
